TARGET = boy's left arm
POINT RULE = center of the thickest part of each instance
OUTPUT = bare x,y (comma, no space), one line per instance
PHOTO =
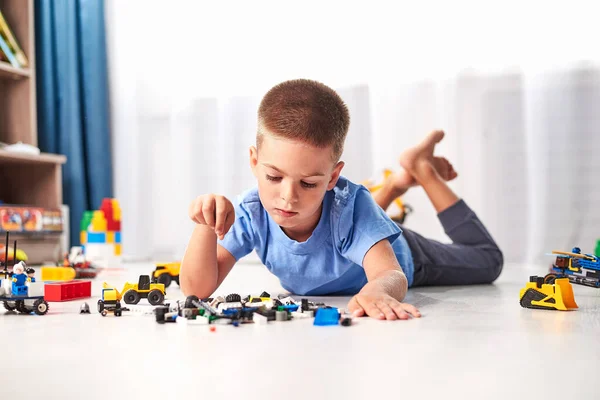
381,297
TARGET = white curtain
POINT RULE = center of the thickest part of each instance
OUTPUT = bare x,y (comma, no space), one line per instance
515,87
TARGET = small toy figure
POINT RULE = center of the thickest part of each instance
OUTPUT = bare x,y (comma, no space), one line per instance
19,280
30,273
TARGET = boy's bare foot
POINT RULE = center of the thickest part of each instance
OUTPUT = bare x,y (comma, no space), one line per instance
419,161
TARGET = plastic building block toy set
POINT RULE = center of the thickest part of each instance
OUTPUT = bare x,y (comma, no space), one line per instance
233,310
554,291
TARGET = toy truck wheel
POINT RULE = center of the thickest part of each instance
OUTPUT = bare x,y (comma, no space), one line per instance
103,313
100,306
165,279
20,306
40,307
176,279
118,313
155,297
549,279
8,306
131,297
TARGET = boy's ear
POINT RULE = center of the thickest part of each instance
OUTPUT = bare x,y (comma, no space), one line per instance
253,159
335,175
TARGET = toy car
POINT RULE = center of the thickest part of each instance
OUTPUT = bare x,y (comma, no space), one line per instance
583,269
132,293
20,292
165,273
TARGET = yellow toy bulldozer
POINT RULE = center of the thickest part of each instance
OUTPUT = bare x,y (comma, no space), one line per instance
548,296
133,292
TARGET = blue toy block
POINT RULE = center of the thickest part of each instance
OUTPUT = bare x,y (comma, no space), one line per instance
118,237
289,307
19,290
96,237
327,316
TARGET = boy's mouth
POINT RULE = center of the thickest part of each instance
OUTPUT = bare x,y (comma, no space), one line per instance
285,213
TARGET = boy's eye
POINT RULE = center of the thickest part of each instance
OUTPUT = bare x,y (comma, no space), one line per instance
308,185
273,178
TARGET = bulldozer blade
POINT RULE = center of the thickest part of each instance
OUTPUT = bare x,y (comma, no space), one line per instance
564,294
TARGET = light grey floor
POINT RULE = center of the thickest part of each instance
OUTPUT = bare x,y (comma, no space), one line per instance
471,343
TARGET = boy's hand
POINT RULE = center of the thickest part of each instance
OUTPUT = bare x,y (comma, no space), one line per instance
214,211
380,305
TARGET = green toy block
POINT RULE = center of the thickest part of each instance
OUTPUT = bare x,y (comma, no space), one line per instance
598,248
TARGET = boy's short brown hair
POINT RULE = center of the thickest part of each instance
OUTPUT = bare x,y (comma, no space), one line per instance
304,110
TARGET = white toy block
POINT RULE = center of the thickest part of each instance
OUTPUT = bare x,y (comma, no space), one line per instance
225,306
35,289
259,319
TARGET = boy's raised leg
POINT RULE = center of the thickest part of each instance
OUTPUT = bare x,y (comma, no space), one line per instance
431,172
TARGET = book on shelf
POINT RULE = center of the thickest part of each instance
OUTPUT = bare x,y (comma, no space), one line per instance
14,51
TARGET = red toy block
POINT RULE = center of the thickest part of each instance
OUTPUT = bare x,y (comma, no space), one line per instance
65,291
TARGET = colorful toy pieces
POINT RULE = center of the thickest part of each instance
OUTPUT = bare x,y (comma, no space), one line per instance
234,310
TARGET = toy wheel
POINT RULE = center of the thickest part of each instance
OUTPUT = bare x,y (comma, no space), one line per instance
100,306
232,298
118,313
20,306
165,279
189,301
550,278
176,279
103,313
131,297
9,306
40,307
155,297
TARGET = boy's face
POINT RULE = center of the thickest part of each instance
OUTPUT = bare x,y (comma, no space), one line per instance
292,180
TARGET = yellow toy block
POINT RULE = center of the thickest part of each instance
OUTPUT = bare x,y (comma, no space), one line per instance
110,237
98,222
117,249
83,237
116,210
53,273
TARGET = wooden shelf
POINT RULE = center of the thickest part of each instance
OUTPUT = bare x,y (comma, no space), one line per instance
24,158
8,71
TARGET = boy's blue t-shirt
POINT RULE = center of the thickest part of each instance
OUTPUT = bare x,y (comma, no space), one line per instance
330,261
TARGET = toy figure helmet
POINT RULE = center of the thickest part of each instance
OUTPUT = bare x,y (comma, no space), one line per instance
576,250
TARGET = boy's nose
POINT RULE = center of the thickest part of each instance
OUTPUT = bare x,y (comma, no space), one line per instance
288,194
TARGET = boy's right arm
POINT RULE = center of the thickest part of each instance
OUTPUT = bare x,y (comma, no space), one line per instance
205,264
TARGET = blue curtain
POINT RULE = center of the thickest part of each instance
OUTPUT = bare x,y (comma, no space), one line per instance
72,100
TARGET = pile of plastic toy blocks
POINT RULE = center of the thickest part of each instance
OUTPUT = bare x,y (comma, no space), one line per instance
259,310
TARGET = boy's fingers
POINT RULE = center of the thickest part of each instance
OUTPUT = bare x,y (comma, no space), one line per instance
220,215
399,310
196,214
208,211
373,311
355,308
387,311
412,310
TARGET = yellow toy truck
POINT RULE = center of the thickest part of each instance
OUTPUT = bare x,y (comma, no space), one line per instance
165,273
133,292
